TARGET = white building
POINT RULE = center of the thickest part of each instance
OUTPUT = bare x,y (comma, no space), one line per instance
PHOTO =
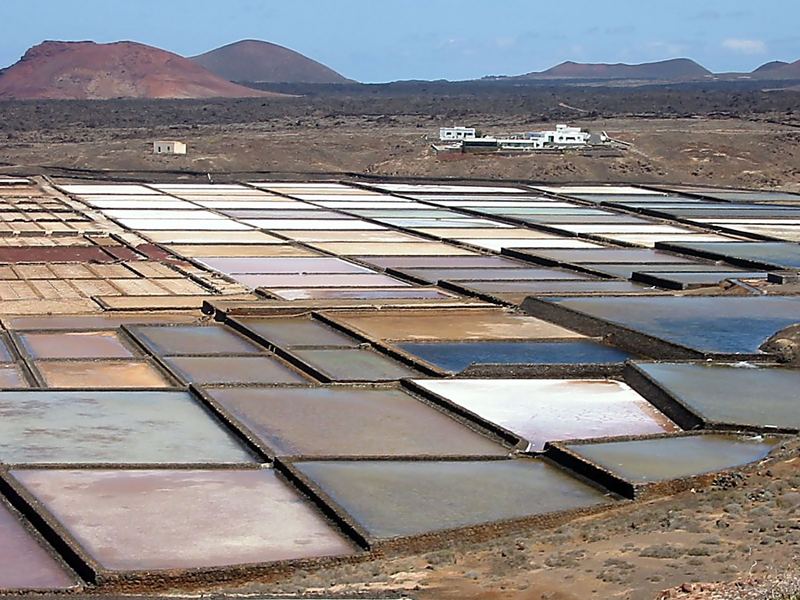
454,134
562,136
521,143
465,139
169,147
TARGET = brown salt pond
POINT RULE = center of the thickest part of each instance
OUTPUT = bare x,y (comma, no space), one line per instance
350,421
45,254
89,344
80,374
241,250
452,325
213,237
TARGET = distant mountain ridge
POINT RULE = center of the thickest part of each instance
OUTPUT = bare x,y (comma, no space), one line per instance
87,70
91,71
770,66
779,70
673,69
256,61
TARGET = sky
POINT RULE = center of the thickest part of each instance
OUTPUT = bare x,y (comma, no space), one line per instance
388,40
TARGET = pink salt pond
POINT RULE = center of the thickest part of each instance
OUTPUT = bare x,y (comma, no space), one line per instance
546,410
24,562
183,519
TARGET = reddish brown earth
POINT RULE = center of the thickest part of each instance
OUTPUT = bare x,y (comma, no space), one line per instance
257,61
90,71
674,69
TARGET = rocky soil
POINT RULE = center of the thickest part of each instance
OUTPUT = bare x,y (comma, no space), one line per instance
727,152
717,135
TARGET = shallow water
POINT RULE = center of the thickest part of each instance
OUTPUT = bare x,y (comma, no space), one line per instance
776,254
672,458
111,427
454,357
555,287
476,261
695,280
628,269
352,364
433,275
612,255
400,498
296,331
760,396
194,339
707,324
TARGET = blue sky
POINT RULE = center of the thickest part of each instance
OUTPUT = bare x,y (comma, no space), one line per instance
384,40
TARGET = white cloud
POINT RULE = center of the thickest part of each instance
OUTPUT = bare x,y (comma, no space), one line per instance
667,49
745,46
